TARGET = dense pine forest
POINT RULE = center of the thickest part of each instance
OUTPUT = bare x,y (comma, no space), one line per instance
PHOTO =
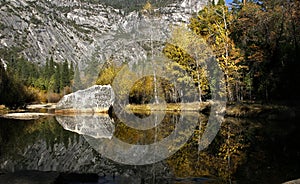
24,82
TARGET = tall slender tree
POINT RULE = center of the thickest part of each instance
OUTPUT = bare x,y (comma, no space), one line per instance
213,24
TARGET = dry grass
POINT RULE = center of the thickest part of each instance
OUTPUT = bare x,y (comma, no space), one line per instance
80,111
241,110
53,97
174,107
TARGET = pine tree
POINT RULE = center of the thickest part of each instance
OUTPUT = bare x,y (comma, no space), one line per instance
65,76
57,79
46,69
51,66
77,85
71,72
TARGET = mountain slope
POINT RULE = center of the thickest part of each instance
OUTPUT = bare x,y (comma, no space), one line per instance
75,30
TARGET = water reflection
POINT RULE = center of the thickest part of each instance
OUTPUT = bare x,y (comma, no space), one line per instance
96,126
166,142
43,145
160,142
244,150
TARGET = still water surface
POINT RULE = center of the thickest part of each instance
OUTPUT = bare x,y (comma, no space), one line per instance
243,151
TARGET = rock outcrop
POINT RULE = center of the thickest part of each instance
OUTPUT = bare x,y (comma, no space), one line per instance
95,99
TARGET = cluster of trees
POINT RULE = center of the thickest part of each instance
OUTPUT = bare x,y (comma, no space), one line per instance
51,77
256,43
24,82
56,76
12,93
268,34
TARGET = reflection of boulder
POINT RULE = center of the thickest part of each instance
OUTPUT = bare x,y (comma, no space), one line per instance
94,99
138,153
96,126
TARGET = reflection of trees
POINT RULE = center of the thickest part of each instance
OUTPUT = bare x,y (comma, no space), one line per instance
20,134
221,159
145,137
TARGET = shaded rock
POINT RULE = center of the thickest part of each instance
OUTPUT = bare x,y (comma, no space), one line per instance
94,99
96,126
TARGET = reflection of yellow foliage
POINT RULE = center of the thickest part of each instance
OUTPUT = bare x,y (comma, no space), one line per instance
221,159
145,137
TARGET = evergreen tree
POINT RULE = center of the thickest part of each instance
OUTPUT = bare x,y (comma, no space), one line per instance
51,66
57,79
71,71
65,76
77,85
3,79
47,70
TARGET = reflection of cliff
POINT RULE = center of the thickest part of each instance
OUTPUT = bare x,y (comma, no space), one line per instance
96,126
43,145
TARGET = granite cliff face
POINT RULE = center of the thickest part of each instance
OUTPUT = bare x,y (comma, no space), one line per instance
76,30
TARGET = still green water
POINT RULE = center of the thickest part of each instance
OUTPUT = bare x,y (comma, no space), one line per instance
243,151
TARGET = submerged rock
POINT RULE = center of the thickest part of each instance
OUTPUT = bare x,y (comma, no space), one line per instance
94,99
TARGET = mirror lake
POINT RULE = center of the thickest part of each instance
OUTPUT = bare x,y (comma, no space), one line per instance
69,149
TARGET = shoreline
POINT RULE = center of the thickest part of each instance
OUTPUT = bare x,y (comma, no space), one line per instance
236,110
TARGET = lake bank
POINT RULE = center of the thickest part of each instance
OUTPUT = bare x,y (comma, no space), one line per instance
32,111
238,110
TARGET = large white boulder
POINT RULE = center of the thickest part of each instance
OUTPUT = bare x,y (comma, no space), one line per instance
97,98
